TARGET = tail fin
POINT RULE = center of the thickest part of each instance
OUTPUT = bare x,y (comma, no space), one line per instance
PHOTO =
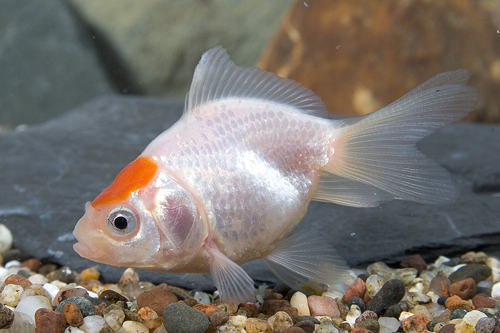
374,157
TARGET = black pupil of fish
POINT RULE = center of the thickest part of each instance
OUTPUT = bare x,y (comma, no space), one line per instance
121,222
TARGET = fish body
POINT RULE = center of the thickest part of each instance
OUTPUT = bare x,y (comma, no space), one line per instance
236,173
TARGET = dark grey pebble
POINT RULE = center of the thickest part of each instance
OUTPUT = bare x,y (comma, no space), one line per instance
357,301
476,271
83,304
64,274
485,325
6,316
391,293
393,311
442,300
457,314
430,325
181,318
453,262
112,296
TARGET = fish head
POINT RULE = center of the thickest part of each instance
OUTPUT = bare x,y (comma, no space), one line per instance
144,219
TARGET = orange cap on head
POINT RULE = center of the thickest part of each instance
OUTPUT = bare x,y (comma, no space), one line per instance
134,176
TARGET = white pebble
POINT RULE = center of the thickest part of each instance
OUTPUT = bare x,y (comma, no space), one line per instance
237,321
202,298
38,279
71,329
373,284
281,321
332,293
299,301
473,316
5,238
93,324
59,284
133,327
388,324
495,290
405,315
115,318
353,314
440,261
10,294
4,272
30,304
12,263
51,289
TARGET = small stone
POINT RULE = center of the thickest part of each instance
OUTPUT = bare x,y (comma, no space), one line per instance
6,316
358,301
415,261
465,289
464,327
458,314
485,325
472,317
455,302
280,321
448,328
495,291
112,296
360,330
29,305
48,321
66,293
415,298
88,274
10,294
114,316
391,293
6,238
353,314
64,274
306,325
157,298
370,324
299,301
373,285
415,323
129,283
205,308
393,311
73,315
481,301
435,284
248,309
35,290
323,306
388,325
237,321
255,325
271,306
133,327
475,271
83,304
150,318
38,279
19,280
356,289
219,317
33,264
180,318
295,330
93,324
472,257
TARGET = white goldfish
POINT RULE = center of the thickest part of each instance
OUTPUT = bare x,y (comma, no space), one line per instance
235,174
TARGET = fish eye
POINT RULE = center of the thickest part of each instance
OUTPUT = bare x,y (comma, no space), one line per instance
122,221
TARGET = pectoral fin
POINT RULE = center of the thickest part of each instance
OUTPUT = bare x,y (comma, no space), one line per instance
233,283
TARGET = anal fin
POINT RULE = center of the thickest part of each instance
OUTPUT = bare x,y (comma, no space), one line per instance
305,261
233,283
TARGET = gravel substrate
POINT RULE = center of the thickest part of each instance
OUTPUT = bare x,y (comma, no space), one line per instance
449,295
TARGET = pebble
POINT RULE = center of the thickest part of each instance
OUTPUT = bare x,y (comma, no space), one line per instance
114,316
356,289
299,301
353,314
391,293
48,321
373,285
481,301
473,316
64,274
280,321
477,272
156,298
255,325
458,314
83,304
416,261
181,318
6,238
448,328
465,289
73,315
219,317
455,302
485,325
38,279
134,327
19,280
295,330
370,324
307,325
10,294
6,316
415,323
271,306
438,282
150,318
495,291
388,324
112,296
21,323
323,306
93,324
30,305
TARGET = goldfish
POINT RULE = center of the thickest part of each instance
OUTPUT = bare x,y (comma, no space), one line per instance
235,174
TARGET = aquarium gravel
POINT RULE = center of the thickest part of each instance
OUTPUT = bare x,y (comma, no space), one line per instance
449,295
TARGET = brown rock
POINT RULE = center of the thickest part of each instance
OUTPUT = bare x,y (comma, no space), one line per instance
357,288
189,302
112,296
218,317
415,323
481,301
48,321
306,325
6,316
367,315
295,329
455,302
32,264
67,293
398,45
465,289
248,309
205,308
360,330
156,298
448,328
435,284
415,261
323,306
73,315
19,280
271,306
150,318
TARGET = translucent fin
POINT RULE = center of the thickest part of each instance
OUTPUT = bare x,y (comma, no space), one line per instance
217,77
379,150
194,277
306,261
233,283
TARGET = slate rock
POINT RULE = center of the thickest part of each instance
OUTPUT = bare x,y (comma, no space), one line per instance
391,293
48,66
180,318
477,272
50,170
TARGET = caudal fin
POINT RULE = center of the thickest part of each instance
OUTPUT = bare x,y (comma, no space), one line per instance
375,159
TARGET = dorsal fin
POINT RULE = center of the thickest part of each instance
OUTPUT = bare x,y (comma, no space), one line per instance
217,77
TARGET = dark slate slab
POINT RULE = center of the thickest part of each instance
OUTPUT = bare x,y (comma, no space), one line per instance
50,170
